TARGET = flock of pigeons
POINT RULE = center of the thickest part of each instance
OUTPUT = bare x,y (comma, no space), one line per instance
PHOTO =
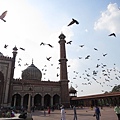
99,73
87,75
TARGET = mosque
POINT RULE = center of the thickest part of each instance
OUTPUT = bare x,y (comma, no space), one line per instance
15,92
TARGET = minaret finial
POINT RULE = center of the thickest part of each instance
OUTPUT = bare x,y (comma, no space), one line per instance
32,60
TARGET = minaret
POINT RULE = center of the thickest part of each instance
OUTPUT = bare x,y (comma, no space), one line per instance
65,100
13,62
12,73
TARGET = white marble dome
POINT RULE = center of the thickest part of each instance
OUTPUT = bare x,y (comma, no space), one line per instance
31,73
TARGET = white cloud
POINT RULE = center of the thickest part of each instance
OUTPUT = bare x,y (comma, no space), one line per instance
109,20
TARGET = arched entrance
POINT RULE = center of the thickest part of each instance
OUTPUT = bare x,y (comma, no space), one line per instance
38,101
16,100
25,101
56,99
47,100
1,86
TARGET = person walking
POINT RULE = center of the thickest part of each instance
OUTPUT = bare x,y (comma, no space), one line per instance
75,113
49,111
97,113
117,111
63,113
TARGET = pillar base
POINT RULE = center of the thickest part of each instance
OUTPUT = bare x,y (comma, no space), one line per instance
29,116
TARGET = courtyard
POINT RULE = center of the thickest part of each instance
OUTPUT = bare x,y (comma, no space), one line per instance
107,113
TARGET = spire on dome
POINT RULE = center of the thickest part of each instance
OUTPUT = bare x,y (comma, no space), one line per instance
32,60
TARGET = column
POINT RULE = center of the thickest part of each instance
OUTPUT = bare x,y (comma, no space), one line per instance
29,101
42,101
14,100
32,101
22,101
51,101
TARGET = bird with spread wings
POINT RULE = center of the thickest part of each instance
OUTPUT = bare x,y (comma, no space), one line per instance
3,15
73,22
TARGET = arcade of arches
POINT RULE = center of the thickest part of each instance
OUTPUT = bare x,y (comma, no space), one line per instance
37,100
108,99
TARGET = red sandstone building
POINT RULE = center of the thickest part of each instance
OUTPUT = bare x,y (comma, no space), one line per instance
15,92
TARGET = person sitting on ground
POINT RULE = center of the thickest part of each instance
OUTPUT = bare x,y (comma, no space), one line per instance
12,113
8,114
23,115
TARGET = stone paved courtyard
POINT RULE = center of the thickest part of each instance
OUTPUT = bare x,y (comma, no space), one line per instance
83,114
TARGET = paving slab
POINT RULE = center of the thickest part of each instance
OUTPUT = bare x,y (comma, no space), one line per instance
82,114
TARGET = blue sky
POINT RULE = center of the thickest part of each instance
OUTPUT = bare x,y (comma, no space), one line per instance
31,22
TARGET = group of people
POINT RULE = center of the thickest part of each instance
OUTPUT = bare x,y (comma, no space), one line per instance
7,113
97,112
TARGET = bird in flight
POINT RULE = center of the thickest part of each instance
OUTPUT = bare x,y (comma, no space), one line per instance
26,64
50,45
81,45
73,21
48,58
104,54
80,57
95,49
3,15
69,42
42,43
112,34
5,46
87,57
22,48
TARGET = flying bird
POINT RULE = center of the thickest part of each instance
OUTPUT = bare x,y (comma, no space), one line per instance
97,66
22,48
20,59
87,57
48,58
26,64
104,54
95,49
3,15
81,45
73,22
69,42
80,57
57,74
50,45
42,43
112,34
5,46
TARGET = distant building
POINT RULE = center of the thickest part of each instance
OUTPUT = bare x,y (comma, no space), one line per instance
15,92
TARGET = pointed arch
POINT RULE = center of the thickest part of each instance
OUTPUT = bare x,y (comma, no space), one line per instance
38,100
16,100
47,100
56,99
